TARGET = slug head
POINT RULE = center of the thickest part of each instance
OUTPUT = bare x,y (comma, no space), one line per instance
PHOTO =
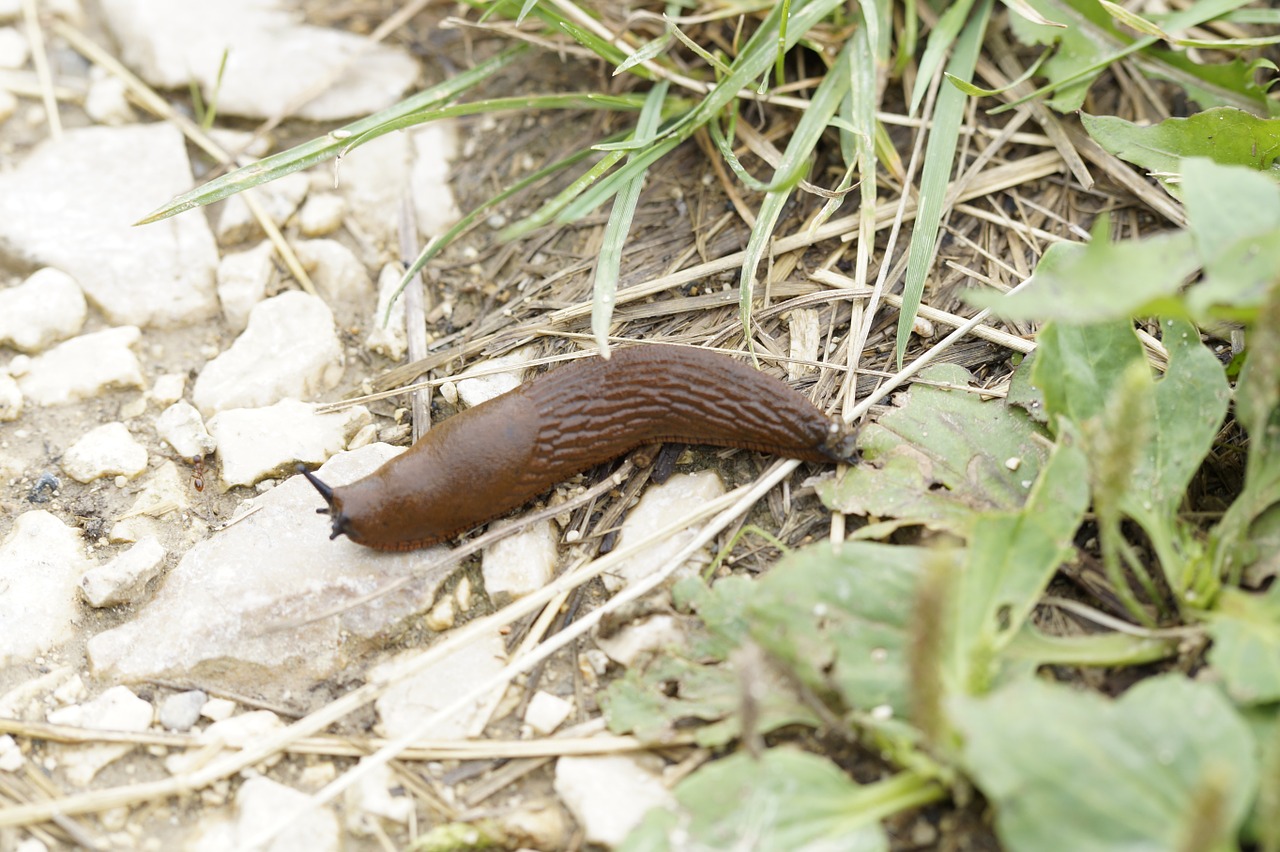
341,522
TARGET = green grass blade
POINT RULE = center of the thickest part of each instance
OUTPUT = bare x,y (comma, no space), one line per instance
615,233
331,144
939,157
935,51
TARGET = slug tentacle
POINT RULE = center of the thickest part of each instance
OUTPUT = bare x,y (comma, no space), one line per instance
490,459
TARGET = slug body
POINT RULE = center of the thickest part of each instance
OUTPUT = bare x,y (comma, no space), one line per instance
489,459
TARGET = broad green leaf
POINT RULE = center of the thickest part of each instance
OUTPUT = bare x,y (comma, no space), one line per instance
1085,46
1077,283
786,799
1191,400
1170,765
1010,559
941,457
1223,135
935,177
1078,366
1246,644
840,622
722,609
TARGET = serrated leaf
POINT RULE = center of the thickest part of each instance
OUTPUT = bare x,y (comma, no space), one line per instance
1170,765
940,457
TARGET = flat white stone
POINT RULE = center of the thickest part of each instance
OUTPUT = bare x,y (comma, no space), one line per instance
272,61
372,180
643,637
164,491
321,214
434,147
662,505
546,712
243,278
389,338
8,105
256,443
339,276
278,199
608,796
521,563
13,48
72,204
290,350
10,398
182,428
117,709
260,805
49,306
180,711
403,706
40,566
108,450
218,709
83,367
124,578
240,610
11,758
231,732
484,388
371,797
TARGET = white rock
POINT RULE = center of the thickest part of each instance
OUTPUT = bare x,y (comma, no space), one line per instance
262,803
8,106
546,712
388,337
484,388
321,214
13,48
40,566
402,707
256,443
663,505
372,181
181,711
11,758
243,278
124,578
182,427
83,367
521,563
608,796
117,709
72,204
278,199
218,709
162,492
371,797
272,61
238,611
240,731
168,388
10,398
289,350
339,276
106,102
434,147
49,306
643,637
108,450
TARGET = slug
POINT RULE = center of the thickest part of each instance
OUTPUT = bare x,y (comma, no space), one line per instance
490,459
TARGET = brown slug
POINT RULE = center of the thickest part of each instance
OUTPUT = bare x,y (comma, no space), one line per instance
489,459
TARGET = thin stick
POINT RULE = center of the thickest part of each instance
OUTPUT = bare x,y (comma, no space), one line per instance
40,58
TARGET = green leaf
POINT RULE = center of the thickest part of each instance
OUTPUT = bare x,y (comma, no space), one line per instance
1170,765
1090,649
1223,135
840,621
1078,367
939,156
787,799
1010,560
1246,644
940,457
1076,283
